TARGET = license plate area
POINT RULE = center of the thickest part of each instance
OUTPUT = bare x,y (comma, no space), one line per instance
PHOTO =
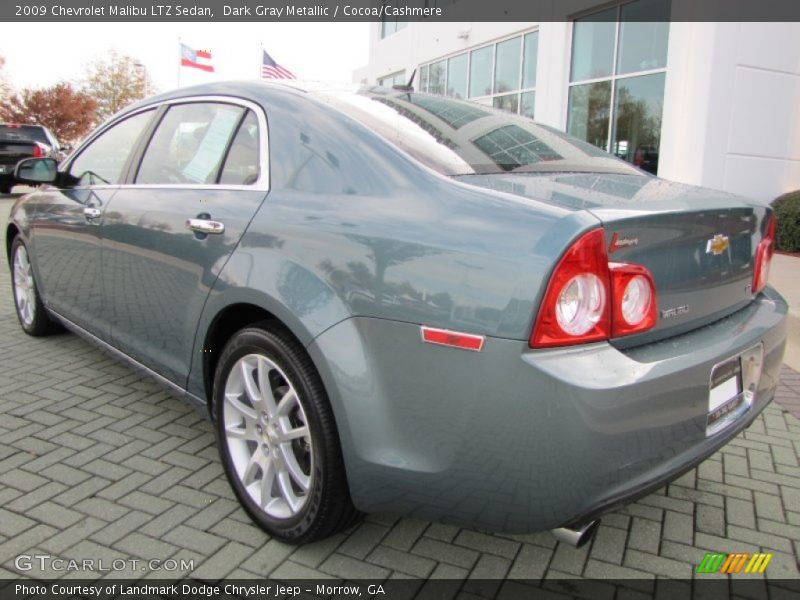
732,387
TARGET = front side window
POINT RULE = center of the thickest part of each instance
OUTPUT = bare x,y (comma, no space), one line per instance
189,144
617,75
103,160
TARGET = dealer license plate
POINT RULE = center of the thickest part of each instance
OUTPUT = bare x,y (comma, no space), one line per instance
725,394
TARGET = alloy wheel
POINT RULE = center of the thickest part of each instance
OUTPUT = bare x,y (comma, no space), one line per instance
268,437
24,289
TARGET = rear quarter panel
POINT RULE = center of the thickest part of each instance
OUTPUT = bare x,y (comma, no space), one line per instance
354,227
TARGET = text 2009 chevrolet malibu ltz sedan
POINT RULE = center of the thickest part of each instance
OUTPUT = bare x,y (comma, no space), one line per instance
392,301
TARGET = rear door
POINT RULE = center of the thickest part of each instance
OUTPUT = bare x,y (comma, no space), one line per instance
170,230
66,237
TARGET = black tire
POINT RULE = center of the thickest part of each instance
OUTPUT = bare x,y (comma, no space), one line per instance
328,507
5,188
41,324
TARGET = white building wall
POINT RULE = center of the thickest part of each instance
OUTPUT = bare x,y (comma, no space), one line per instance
731,117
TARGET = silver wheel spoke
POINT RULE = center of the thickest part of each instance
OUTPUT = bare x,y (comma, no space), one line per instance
267,481
294,434
247,413
287,401
267,399
293,467
285,486
253,466
249,383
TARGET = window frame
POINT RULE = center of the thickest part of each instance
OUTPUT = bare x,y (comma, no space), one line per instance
615,76
135,159
488,99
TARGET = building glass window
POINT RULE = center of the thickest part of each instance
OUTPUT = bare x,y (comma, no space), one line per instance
457,76
506,69
529,57
618,68
501,74
480,72
398,78
391,25
437,77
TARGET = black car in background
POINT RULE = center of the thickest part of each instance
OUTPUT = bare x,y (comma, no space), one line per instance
24,141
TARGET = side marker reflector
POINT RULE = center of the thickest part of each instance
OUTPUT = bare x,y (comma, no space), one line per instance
455,339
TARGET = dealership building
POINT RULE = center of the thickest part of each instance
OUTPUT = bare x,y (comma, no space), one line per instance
708,103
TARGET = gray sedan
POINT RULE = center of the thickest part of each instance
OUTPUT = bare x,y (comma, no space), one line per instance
393,301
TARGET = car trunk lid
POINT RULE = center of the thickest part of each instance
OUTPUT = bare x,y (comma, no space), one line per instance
699,244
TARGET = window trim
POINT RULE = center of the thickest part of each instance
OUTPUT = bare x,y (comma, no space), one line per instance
261,184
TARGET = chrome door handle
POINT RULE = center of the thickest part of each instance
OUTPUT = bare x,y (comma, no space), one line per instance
205,226
91,212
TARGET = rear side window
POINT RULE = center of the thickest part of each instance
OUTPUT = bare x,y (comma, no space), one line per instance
102,161
190,144
241,164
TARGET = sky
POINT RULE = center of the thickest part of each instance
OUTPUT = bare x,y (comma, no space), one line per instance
42,54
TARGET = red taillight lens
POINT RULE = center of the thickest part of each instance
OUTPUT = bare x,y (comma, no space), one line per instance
763,259
634,293
37,151
589,299
575,308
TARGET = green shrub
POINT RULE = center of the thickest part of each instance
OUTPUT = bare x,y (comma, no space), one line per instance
787,228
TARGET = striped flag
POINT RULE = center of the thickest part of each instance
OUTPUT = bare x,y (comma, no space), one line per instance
272,70
197,59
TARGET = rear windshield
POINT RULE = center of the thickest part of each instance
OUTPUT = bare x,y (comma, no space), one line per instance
16,133
456,137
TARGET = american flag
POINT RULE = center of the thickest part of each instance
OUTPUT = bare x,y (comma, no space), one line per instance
197,59
272,70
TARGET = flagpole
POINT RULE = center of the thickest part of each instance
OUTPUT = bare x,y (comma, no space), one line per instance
180,54
260,59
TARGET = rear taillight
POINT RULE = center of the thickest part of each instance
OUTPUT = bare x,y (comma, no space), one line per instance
763,259
575,308
37,151
589,300
634,293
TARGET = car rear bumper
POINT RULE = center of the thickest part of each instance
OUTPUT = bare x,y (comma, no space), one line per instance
515,439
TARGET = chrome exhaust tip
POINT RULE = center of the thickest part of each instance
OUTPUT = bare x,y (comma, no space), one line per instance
576,536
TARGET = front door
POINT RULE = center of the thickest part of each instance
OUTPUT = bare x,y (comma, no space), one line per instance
67,237
168,234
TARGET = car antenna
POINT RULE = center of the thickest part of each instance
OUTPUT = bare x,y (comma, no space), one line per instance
409,87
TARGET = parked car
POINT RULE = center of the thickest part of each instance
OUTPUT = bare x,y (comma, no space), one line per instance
392,301
24,141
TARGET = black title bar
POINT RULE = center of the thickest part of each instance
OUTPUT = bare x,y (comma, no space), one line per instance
375,10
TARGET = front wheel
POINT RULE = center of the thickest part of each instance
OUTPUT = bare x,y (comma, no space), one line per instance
31,312
277,437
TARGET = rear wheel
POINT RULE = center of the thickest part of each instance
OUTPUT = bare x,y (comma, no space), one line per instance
31,312
277,437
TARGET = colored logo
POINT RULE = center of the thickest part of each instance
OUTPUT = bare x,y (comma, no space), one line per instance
618,242
717,245
717,562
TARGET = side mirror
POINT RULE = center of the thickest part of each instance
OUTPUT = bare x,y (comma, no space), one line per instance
36,170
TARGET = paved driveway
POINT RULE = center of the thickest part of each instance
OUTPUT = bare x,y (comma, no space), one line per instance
97,462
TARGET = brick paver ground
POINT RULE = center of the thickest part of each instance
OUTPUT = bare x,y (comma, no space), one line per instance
98,462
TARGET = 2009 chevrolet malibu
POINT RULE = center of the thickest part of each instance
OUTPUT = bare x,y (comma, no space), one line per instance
392,301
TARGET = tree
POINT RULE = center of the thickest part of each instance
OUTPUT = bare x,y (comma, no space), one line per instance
68,113
5,88
115,83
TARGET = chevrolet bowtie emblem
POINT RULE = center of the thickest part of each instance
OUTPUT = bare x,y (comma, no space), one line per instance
717,245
